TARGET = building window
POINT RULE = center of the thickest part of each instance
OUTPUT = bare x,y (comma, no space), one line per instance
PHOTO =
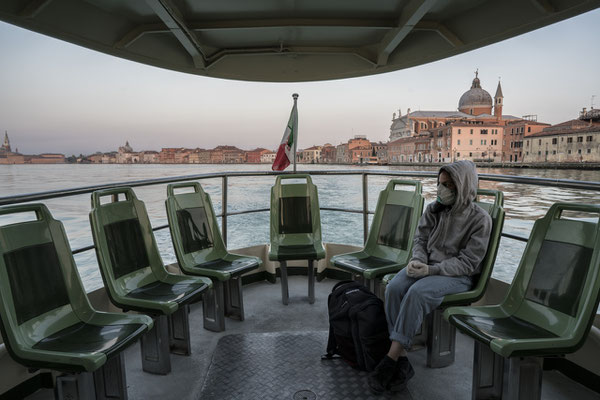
484,131
568,151
528,129
589,138
589,151
540,142
562,139
579,151
470,154
539,153
527,143
553,151
526,153
471,131
458,142
459,131
471,141
555,141
579,139
512,131
457,154
569,140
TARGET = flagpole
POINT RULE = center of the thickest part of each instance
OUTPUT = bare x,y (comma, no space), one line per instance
295,96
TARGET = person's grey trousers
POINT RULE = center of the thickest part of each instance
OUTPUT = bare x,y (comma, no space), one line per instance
409,300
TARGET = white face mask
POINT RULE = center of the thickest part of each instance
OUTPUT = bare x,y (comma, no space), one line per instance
445,196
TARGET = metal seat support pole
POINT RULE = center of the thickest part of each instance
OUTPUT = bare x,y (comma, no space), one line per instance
179,331
285,295
213,307
311,281
156,358
110,381
234,302
441,338
488,373
74,386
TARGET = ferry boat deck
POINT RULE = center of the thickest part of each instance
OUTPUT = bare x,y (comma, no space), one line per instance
275,354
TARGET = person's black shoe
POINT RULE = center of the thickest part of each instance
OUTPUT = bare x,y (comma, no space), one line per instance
404,371
382,375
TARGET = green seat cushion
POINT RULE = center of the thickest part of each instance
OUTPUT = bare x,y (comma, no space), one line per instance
126,247
232,268
195,230
296,252
87,338
394,230
488,329
36,280
183,292
559,275
295,215
353,263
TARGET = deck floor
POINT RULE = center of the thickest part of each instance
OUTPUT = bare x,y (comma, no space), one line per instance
266,314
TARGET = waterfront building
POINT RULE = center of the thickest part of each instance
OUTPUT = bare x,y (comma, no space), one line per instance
268,158
126,155
95,158
577,140
149,157
46,158
109,158
310,155
328,153
341,153
199,156
475,105
167,154
380,152
514,132
254,156
6,154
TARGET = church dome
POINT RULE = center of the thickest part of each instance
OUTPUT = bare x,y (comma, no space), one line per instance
475,97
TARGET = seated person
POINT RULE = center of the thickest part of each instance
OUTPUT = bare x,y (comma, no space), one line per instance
450,243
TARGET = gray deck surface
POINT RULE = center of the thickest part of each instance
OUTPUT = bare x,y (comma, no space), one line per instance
272,332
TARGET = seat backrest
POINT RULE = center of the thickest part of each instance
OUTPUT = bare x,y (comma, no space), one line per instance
193,225
496,211
125,245
395,221
295,214
40,289
557,283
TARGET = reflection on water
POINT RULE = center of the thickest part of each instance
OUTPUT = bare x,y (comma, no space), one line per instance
523,203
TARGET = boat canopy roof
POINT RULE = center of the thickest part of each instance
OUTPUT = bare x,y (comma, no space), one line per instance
286,41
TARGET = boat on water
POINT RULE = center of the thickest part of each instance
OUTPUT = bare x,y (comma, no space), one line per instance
274,352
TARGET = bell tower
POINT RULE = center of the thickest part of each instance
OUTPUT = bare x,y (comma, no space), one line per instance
6,144
498,100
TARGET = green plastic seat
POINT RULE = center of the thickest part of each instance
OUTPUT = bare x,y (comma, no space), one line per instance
436,332
549,307
200,250
390,240
46,318
136,278
295,227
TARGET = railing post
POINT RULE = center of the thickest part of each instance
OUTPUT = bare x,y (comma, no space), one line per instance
365,191
224,210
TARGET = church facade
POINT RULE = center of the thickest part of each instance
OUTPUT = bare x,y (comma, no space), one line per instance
475,131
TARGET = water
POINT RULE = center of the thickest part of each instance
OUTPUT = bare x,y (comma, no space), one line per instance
523,203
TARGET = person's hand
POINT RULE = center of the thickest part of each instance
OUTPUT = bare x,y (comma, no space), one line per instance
416,269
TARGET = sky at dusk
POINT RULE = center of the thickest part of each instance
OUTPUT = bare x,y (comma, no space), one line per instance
58,97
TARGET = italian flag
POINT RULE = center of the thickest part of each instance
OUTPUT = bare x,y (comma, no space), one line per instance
285,153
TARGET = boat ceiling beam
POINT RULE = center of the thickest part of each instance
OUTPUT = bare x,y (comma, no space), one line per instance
441,30
33,8
172,18
411,14
544,6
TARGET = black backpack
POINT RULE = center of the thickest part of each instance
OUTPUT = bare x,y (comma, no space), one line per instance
358,329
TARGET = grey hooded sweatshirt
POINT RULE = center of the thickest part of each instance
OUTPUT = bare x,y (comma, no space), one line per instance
453,240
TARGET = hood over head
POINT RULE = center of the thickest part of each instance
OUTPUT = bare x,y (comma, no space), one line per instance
464,176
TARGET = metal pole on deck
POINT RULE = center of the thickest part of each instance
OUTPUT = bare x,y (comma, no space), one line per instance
295,96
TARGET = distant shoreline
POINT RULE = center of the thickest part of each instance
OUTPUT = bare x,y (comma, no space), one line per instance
581,165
